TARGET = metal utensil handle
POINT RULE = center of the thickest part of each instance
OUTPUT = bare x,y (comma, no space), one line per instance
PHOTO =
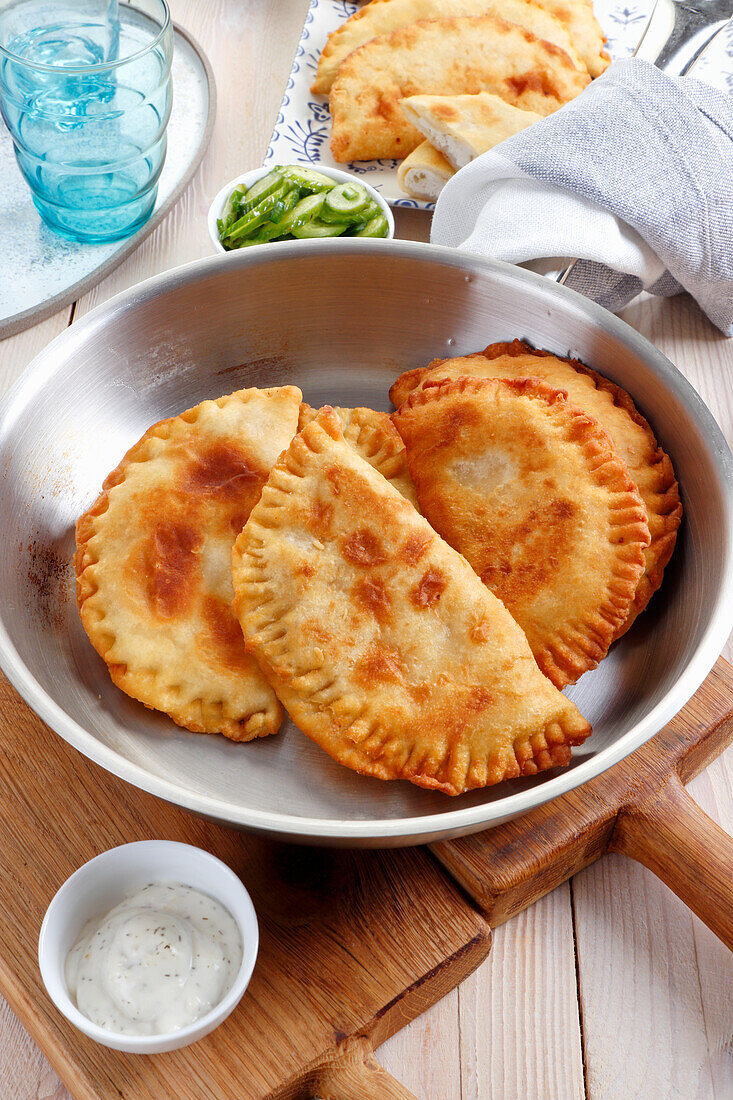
678,32
671,26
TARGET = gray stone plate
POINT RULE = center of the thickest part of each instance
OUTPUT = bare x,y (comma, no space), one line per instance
42,272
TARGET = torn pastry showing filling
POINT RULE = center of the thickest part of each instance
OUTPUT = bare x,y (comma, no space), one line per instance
452,56
379,639
633,440
153,562
530,490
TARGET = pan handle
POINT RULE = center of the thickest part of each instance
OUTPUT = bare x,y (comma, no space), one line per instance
350,1072
666,830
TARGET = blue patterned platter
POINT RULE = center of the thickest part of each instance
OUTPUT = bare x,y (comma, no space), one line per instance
303,128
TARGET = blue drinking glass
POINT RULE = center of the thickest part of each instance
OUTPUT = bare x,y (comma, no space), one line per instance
85,90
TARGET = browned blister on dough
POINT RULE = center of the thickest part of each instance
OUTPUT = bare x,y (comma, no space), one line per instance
153,562
530,490
379,639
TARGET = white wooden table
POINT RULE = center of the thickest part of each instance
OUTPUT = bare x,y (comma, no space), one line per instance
608,988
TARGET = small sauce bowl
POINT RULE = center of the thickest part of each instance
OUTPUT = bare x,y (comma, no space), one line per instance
107,880
248,178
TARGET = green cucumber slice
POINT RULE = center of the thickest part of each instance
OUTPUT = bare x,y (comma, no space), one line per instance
251,220
317,228
375,227
261,189
231,209
273,229
348,200
306,179
330,218
373,208
304,211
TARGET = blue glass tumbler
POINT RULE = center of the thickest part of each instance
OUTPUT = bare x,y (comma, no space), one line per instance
85,90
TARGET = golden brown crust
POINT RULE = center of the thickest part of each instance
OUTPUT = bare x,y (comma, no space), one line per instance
635,443
585,32
531,491
153,584
379,639
441,57
373,435
383,16
462,127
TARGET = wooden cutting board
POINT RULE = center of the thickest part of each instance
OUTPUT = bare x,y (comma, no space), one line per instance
639,807
354,945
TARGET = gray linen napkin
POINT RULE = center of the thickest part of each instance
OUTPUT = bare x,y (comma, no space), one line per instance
634,177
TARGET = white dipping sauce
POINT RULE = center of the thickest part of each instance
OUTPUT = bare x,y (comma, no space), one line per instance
155,963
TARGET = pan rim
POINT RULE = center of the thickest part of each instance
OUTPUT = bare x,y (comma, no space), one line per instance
449,822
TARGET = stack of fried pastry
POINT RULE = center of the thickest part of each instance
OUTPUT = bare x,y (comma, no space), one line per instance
414,590
439,81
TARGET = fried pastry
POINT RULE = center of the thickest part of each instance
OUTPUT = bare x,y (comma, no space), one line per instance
585,33
153,562
384,16
424,172
461,127
529,488
632,437
442,57
375,438
379,639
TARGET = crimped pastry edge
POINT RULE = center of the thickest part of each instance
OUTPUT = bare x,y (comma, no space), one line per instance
263,631
258,723
669,508
577,647
375,438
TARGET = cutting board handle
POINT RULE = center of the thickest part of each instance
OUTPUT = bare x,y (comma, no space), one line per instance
666,830
351,1073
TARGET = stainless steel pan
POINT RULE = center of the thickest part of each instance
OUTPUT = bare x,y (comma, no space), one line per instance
340,320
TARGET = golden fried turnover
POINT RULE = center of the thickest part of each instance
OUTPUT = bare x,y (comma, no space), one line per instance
579,21
379,639
375,438
153,562
424,172
460,56
632,437
529,488
383,16
462,127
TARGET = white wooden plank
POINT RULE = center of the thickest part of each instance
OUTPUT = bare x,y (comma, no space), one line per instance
656,1020
17,351
24,1072
426,1055
643,1026
713,789
520,1031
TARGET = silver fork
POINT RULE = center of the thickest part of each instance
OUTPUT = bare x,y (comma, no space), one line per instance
679,30
677,33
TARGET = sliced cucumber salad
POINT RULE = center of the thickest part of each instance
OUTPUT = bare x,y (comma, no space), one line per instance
294,202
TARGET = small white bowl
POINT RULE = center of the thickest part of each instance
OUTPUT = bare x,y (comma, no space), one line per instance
107,880
248,178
